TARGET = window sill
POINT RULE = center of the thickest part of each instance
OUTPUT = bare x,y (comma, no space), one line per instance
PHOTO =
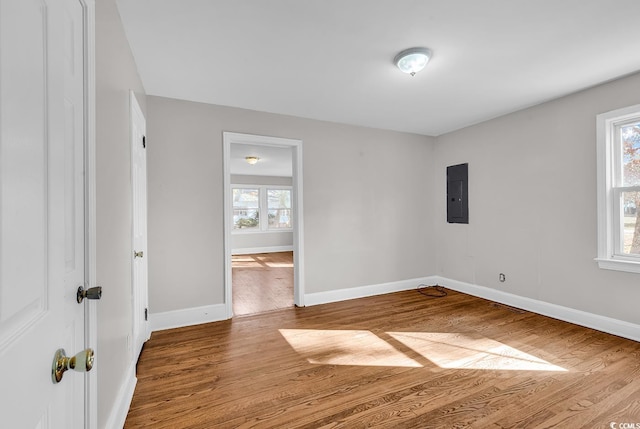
259,231
619,265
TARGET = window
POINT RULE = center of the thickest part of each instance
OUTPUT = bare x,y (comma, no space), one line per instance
246,208
261,208
279,207
619,189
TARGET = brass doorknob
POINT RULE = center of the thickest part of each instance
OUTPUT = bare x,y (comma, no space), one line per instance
139,254
81,362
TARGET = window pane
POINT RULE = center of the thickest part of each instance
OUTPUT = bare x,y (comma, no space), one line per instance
280,218
246,219
630,225
246,197
279,207
246,213
279,198
630,135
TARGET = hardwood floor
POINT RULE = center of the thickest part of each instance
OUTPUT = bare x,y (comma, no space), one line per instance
262,282
400,360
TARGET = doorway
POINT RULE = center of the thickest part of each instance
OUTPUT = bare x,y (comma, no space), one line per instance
265,220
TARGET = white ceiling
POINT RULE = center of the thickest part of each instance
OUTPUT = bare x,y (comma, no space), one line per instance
273,161
332,59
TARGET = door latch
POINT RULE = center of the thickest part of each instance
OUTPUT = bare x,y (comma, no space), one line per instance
91,293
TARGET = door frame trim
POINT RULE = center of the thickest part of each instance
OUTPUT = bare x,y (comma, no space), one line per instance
90,319
297,205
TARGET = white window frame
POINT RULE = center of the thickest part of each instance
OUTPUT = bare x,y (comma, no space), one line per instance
263,209
608,169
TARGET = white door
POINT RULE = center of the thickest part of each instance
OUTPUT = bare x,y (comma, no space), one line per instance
139,180
42,254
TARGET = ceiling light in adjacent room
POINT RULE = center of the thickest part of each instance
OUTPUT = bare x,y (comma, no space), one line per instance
412,60
251,159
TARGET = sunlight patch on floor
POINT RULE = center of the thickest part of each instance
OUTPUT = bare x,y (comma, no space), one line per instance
444,349
239,261
345,347
279,264
245,262
470,351
269,262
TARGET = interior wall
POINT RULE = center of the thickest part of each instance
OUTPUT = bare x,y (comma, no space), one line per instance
252,240
367,201
532,205
116,74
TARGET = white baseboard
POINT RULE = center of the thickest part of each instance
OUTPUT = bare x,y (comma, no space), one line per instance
118,414
217,312
365,291
578,317
270,249
187,317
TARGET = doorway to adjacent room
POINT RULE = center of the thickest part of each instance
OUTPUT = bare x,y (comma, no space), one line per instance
263,223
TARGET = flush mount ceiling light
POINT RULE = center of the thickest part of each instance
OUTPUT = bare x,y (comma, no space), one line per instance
412,60
251,159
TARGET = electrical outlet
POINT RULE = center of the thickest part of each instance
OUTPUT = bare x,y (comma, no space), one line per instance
502,278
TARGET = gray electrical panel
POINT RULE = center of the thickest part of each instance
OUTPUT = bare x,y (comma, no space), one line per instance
458,193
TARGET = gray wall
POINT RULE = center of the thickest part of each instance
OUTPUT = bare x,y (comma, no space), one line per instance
260,239
116,73
367,201
532,178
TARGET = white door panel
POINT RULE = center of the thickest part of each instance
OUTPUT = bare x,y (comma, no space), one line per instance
23,151
41,209
139,181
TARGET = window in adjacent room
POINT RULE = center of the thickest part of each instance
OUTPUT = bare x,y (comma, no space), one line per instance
261,208
246,208
279,208
619,189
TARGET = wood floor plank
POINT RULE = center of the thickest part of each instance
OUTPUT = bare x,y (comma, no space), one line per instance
262,282
399,360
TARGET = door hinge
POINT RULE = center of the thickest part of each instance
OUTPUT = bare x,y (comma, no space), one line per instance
144,142
146,314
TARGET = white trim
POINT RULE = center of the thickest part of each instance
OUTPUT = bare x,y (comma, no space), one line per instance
619,265
608,211
250,231
187,317
217,312
228,210
298,226
366,291
90,309
578,317
122,403
270,249
296,205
